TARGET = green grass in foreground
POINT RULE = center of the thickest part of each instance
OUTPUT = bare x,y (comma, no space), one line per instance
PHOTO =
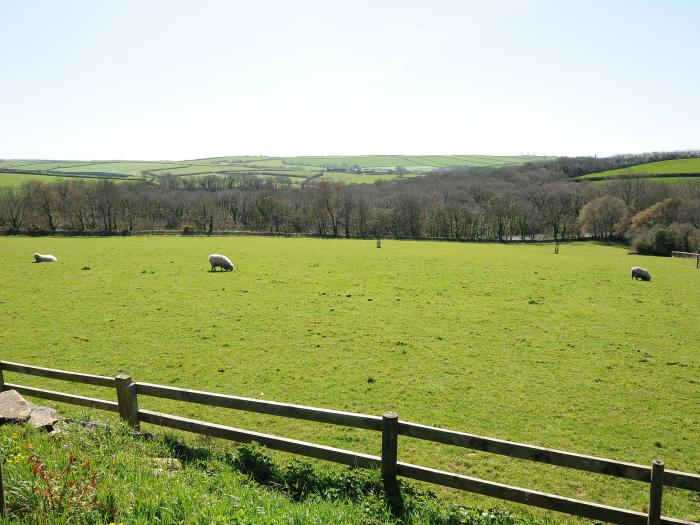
509,341
103,476
653,168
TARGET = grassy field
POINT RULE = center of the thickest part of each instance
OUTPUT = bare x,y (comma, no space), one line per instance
360,178
17,179
134,169
45,165
375,167
667,180
653,168
410,162
509,341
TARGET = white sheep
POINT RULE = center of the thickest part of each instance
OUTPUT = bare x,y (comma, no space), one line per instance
220,261
640,273
44,258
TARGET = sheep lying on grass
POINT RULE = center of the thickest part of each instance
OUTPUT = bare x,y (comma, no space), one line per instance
220,261
640,273
44,258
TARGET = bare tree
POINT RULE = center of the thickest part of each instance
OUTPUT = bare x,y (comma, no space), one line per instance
600,216
13,204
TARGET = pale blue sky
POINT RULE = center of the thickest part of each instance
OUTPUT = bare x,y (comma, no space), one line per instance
138,79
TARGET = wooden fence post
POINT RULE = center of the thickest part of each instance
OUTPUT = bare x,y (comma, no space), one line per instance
2,379
390,442
128,402
379,243
655,492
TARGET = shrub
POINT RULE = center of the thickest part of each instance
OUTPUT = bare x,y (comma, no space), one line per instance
300,480
256,461
694,241
662,241
643,246
187,230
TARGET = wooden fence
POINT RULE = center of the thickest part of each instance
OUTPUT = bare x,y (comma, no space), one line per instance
688,255
128,392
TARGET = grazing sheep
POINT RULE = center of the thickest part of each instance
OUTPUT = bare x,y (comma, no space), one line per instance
44,258
220,261
640,273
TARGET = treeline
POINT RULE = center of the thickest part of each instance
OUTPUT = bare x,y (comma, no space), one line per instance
533,201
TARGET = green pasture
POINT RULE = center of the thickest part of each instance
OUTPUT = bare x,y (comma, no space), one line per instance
653,168
17,179
408,161
234,159
134,169
363,161
269,163
510,341
359,178
48,165
209,169
668,180
15,164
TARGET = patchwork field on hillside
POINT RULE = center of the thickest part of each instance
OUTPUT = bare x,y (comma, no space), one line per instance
349,169
509,341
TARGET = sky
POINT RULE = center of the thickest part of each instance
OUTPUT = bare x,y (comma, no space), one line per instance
139,79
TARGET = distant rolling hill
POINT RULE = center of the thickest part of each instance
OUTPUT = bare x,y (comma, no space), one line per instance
665,170
349,169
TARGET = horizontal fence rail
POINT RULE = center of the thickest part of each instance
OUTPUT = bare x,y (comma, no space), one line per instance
72,399
391,428
336,455
550,456
321,415
686,255
74,377
529,497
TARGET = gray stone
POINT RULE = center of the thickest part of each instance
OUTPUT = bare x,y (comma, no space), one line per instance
13,407
43,418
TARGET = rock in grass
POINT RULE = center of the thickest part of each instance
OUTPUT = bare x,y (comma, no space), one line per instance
43,418
166,466
13,407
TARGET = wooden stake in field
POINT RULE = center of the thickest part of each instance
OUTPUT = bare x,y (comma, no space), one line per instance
390,445
656,489
128,402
